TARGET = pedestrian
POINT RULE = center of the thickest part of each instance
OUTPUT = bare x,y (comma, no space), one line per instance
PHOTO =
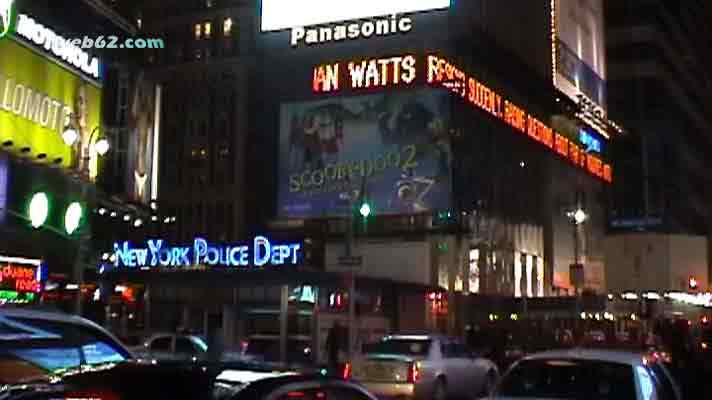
334,342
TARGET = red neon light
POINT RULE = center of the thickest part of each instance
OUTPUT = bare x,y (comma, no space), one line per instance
20,279
442,73
404,70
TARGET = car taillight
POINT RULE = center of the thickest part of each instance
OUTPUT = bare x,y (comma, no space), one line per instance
414,373
347,371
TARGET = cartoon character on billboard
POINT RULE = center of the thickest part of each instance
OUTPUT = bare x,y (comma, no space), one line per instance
141,121
5,16
411,191
318,138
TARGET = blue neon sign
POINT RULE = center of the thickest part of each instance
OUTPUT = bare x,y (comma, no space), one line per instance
591,143
157,253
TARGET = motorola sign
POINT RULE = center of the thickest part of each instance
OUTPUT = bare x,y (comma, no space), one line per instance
287,14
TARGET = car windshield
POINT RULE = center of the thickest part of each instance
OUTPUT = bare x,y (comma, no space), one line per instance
399,346
569,379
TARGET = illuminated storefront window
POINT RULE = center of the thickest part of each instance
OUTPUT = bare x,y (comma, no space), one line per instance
530,276
227,27
517,274
474,271
540,276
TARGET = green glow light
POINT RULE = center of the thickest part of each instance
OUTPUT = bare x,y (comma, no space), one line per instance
365,210
72,217
39,209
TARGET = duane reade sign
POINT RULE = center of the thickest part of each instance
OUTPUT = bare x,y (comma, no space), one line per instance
299,15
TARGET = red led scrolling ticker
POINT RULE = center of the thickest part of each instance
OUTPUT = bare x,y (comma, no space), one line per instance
20,279
403,70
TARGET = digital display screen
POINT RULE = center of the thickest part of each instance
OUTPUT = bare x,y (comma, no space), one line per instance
287,14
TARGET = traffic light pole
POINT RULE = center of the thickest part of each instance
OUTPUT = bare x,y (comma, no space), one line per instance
350,241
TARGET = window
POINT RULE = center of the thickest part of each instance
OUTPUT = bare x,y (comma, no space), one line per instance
208,29
198,31
227,26
400,346
161,344
666,389
43,347
100,349
569,379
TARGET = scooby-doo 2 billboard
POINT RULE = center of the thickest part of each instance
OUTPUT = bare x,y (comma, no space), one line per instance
395,145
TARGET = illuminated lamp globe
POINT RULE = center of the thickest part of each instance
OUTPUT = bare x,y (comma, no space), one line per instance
38,209
580,216
72,218
102,147
70,136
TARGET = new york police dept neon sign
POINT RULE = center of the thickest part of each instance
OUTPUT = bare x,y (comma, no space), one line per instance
158,254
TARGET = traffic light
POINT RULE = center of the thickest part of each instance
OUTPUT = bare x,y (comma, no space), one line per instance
365,209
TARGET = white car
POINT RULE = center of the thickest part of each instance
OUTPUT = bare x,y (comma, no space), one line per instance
423,367
172,347
588,374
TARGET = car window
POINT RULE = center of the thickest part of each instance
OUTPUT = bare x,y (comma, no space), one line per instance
666,389
448,349
32,348
99,348
162,343
568,379
399,346
184,345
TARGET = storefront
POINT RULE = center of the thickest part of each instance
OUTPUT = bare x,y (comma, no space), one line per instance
50,119
257,293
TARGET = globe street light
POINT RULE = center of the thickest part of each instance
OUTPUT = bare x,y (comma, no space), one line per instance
580,216
70,136
102,147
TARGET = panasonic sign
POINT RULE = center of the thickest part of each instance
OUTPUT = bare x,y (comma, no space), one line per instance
315,22
340,32
60,47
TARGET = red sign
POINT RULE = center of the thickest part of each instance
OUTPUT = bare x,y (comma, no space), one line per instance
404,70
19,278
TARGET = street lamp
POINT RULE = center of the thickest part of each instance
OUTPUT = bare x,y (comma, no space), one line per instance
580,216
70,136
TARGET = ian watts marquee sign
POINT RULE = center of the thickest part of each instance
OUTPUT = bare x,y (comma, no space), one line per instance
157,253
406,70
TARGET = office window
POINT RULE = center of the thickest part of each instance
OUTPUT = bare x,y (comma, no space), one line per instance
208,29
208,3
198,31
227,26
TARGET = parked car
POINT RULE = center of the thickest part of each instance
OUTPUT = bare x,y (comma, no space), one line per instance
588,374
423,367
179,348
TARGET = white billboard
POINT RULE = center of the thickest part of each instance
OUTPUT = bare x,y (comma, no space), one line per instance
286,14
580,50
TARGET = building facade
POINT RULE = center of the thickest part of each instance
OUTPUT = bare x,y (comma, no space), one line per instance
469,150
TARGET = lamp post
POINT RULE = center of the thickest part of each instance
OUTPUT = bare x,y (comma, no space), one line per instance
101,147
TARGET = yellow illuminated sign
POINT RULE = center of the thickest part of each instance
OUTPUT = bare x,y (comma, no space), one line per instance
39,99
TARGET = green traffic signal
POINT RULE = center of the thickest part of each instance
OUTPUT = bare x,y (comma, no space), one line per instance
365,210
